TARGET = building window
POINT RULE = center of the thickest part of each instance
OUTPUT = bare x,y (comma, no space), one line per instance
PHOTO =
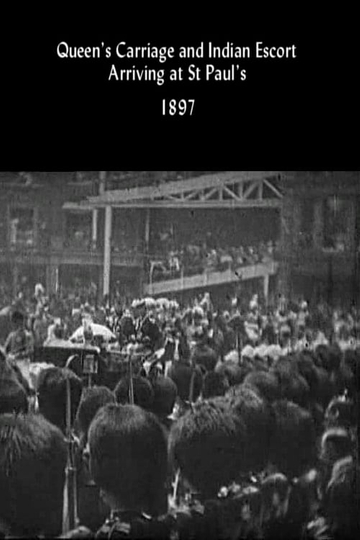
78,230
337,215
22,229
306,223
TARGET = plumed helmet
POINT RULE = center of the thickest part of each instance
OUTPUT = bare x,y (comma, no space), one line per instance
39,289
162,303
232,356
138,303
273,352
254,303
198,312
150,303
248,351
261,350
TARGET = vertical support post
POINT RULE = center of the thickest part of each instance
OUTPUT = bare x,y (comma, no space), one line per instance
151,278
95,215
266,287
102,178
288,248
56,279
147,230
107,249
52,278
318,234
260,190
147,263
15,273
36,226
350,243
330,284
100,284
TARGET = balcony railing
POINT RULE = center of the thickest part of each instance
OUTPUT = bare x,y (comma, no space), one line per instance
66,252
301,253
81,190
212,278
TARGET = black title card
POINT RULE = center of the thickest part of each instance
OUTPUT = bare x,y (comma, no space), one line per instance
156,89
236,279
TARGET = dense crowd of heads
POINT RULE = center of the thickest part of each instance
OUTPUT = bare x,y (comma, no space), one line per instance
231,433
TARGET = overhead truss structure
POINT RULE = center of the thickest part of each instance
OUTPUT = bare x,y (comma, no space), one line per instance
220,190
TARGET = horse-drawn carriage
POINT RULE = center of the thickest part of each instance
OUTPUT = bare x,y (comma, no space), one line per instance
105,366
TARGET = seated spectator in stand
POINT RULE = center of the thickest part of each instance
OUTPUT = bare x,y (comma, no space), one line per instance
32,476
225,260
52,395
174,263
211,260
128,461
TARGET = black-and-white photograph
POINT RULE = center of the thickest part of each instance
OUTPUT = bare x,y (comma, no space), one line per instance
179,354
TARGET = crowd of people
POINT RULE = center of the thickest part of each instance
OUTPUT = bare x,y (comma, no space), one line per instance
225,423
196,258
